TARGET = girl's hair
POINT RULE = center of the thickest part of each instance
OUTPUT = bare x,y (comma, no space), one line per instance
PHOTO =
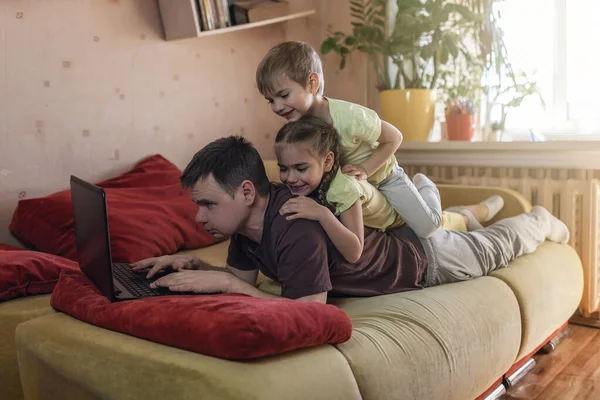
322,137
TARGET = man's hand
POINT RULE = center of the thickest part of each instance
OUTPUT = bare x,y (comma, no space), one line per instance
357,171
303,207
196,281
177,262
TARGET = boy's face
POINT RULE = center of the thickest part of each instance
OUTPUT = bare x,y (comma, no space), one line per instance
289,99
220,214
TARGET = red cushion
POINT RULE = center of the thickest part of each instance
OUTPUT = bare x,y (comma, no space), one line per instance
148,215
26,272
236,327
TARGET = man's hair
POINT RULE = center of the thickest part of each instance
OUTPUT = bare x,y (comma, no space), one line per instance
296,60
230,160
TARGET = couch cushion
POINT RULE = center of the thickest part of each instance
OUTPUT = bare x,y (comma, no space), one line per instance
230,326
548,285
105,364
13,313
446,342
7,247
148,212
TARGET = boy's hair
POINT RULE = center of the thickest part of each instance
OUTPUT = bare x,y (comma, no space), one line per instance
322,137
294,59
230,160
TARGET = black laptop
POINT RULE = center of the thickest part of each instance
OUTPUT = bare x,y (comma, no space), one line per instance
115,281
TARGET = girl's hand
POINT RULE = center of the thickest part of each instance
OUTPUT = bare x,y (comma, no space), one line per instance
357,171
303,207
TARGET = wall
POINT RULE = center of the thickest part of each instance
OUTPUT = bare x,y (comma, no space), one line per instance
89,87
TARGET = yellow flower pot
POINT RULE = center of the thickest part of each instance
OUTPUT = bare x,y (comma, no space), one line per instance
409,110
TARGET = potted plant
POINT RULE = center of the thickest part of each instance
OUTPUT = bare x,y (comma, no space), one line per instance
408,61
459,89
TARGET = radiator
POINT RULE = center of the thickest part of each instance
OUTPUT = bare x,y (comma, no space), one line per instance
570,194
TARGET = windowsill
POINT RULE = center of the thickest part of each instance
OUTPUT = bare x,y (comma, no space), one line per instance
553,154
503,146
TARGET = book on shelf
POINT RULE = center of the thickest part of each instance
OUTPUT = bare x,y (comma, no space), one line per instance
203,11
214,14
223,13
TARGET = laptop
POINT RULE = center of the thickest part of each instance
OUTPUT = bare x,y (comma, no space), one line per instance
116,281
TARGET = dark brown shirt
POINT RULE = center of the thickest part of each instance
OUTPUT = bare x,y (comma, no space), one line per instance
299,255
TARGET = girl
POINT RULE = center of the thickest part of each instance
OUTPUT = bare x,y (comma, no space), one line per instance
308,156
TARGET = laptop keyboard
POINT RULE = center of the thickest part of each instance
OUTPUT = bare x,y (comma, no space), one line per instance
136,283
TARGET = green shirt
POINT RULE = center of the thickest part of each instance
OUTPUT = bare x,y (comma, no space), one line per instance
359,129
345,190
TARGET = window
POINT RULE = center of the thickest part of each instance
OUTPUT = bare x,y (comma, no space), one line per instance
557,43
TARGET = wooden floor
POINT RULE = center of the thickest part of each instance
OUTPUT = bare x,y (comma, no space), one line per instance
572,371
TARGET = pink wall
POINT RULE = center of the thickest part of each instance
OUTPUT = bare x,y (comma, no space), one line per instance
90,87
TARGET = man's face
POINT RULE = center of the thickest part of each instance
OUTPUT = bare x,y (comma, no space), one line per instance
220,214
289,99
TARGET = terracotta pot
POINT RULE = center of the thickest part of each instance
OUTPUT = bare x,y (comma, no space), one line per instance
409,110
460,127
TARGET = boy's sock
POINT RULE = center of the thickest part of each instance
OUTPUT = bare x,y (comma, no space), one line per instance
494,204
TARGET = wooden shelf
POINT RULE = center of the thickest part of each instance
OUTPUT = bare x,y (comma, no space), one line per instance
181,20
251,25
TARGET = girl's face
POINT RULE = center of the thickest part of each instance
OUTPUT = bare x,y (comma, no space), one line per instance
299,169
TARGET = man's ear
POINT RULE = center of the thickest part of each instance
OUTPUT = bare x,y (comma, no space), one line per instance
328,162
314,82
248,191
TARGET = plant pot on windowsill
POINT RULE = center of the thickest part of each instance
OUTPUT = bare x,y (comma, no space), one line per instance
409,110
460,127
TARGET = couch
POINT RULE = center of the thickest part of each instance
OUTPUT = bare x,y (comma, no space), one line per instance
453,341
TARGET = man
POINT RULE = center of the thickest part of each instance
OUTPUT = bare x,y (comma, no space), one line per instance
235,198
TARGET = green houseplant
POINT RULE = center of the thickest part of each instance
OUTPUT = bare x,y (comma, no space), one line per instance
408,58
460,91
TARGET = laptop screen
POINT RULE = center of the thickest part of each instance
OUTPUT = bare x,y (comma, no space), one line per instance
91,234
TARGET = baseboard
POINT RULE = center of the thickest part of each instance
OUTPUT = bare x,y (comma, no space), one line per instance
593,321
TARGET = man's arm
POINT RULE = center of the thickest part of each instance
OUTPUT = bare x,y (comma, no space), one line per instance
247,276
241,287
248,286
220,282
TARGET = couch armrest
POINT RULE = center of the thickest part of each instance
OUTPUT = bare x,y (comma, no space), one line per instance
461,195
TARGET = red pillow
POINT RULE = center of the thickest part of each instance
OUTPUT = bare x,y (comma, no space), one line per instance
8,247
26,272
148,215
229,326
